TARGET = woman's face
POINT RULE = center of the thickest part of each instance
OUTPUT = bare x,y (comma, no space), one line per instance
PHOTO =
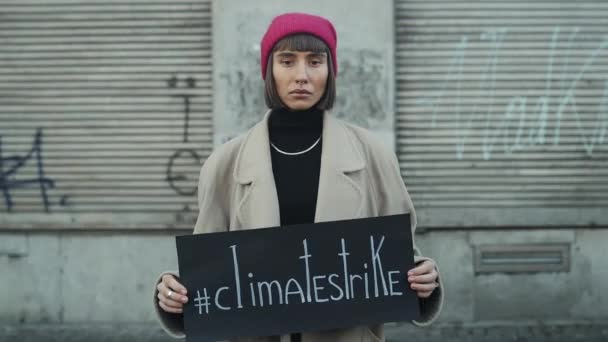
300,77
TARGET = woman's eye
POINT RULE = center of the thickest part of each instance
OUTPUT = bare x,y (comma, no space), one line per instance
315,62
286,62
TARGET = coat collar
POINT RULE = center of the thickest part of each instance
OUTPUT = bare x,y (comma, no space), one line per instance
339,197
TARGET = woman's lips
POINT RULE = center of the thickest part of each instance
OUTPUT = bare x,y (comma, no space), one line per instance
300,94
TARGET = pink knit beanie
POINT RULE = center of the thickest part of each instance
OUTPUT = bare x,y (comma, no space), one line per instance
293,23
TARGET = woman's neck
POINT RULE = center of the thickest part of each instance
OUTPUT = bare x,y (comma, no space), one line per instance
286,119
295,130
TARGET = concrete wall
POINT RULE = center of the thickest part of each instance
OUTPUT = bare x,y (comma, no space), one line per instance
578,294
80,277
71,277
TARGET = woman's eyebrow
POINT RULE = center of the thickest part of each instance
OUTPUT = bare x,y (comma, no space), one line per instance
286,54
317,55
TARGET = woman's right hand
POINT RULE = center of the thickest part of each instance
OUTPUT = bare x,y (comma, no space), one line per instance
171,294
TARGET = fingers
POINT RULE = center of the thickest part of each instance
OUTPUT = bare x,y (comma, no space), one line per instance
169,302
424,290
424,294
169,309
424,267
171,283
424,287
424,278
174,303
164,292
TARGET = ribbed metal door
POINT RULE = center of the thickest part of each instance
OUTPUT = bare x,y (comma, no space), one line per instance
105,112
502,111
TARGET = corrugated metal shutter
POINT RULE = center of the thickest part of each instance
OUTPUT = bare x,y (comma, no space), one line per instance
502,111
105,112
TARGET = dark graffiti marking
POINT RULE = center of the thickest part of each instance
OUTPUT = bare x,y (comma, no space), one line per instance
190,83
10,166
183,158
246,88
64,200
179,181
186,215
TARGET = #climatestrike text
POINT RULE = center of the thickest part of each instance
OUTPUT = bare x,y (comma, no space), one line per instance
370,281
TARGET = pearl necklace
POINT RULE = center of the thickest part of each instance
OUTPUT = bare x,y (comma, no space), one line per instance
295,153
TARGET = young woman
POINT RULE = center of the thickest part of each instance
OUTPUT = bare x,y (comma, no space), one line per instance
301,165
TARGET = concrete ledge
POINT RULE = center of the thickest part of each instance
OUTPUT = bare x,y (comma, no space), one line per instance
502,331
89,332
555,331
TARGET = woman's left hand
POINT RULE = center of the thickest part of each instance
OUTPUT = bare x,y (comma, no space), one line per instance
423,278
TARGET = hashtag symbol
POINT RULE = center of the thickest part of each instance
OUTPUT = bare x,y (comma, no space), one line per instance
199,301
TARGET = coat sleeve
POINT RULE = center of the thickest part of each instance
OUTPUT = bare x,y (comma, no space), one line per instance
172,324
212,216
393,198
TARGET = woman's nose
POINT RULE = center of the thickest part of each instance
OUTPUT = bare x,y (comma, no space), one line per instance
301,74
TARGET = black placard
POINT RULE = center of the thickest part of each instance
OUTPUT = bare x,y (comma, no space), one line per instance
274,281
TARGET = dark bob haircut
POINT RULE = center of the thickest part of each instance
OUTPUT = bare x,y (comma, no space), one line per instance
300,42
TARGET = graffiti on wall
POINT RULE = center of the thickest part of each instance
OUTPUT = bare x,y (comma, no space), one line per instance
11,167
362,88
245,89
178,180
526,120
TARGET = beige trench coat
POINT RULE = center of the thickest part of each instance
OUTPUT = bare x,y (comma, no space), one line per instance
359,178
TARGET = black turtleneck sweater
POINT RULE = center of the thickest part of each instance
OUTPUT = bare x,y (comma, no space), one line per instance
296,177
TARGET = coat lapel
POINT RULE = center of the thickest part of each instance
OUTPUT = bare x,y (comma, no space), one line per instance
258,205
340,194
